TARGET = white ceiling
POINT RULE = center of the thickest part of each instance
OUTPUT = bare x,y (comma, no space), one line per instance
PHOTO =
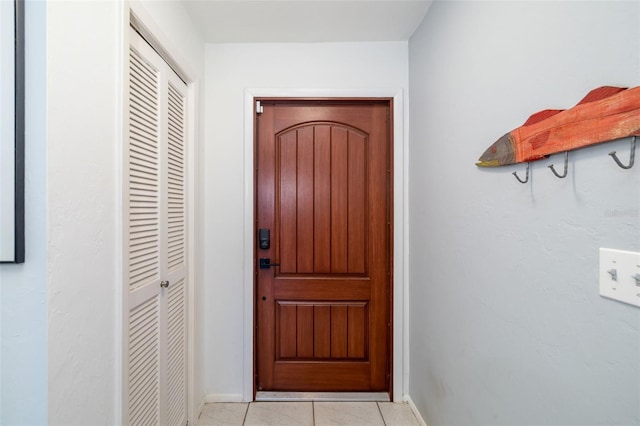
306,21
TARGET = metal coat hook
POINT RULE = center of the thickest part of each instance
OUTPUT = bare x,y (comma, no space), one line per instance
526,179
632,156
566,166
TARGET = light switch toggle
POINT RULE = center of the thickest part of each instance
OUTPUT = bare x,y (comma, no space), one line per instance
613,273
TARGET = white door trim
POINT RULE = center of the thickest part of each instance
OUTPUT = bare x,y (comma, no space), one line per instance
400,224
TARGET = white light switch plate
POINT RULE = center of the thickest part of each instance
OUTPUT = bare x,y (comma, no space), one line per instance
626,265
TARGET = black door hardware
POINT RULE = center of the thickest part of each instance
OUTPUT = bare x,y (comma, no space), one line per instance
265,263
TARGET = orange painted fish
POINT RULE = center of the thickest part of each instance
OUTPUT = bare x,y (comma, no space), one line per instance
605,114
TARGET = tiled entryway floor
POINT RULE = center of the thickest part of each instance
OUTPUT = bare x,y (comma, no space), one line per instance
308,414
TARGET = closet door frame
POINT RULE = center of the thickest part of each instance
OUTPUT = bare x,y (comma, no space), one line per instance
134,15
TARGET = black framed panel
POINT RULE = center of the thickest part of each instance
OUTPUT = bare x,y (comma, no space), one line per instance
12,131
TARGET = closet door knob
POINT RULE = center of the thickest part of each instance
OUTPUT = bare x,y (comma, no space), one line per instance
164,284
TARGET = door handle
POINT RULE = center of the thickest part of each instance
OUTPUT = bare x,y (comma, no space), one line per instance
164,284
265,263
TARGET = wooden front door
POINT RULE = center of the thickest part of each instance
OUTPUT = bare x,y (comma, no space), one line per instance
323,195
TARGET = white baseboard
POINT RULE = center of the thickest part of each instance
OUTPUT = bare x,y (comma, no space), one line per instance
224,397
416,413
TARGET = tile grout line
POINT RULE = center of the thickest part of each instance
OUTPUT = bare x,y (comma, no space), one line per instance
313,417
381,415
244,419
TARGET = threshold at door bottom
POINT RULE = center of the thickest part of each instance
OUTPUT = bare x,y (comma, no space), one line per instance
323,396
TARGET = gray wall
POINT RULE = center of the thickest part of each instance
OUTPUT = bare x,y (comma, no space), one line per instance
507,326
23,290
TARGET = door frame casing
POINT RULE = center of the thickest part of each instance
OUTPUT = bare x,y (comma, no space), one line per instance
400,350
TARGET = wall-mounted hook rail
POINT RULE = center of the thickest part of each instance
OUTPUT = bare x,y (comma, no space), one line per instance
566,166
632,155
526,178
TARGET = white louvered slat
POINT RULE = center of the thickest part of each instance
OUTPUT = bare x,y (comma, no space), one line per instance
176,362
176,186
144,363
144,207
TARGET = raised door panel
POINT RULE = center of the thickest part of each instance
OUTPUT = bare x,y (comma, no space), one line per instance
317,331
321,200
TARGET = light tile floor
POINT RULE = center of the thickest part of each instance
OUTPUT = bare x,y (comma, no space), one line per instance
308,413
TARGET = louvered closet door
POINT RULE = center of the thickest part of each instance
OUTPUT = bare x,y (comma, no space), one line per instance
155,244
176,267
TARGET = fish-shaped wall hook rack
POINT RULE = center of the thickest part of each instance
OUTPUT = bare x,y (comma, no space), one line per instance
605,114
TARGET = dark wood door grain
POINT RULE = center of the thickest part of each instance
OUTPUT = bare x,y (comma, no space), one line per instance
323,189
